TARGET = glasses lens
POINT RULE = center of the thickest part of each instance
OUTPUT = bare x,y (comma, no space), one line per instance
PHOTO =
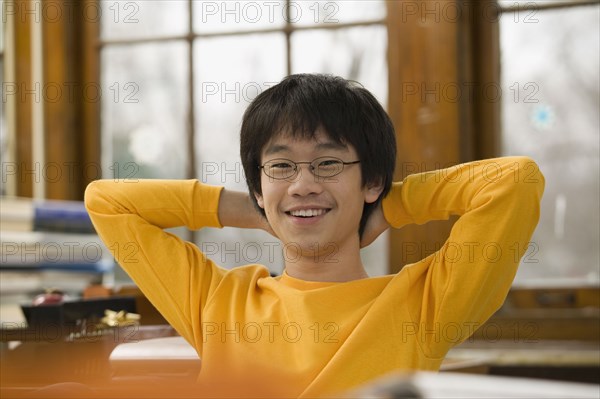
327,167
280,169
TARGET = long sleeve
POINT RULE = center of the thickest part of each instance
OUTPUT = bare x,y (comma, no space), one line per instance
130,217
455,290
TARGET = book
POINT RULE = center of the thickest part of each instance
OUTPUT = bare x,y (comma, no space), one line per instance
64,216
23,214
27,283
47,244
50,250
16,214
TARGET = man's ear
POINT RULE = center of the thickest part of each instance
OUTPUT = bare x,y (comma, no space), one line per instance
373,191
259,200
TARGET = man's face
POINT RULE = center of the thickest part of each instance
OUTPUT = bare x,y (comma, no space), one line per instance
315,214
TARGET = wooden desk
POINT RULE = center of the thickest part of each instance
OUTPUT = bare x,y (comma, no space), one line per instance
577,361
132,365
37,362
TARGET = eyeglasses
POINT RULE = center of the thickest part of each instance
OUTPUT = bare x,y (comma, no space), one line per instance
281,168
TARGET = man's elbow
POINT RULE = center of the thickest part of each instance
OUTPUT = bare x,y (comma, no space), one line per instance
529,179
93,197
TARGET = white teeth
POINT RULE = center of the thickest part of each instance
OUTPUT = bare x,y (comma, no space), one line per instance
307,212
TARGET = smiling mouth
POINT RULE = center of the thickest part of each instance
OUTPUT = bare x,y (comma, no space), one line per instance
308,213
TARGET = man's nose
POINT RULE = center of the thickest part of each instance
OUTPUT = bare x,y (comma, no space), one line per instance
305,182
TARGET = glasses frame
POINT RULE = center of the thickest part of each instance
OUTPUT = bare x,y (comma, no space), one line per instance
311,167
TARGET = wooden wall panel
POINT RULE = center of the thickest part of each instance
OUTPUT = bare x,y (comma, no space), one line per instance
423,65
440,55
61,142
25,95
71,118
483,36
89,74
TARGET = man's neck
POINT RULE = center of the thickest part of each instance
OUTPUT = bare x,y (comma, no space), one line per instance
331,264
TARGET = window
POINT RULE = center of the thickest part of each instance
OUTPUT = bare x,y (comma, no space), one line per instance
178,75
550,86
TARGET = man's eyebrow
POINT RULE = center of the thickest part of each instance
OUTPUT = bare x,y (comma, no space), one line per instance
326,145
331,145
275,148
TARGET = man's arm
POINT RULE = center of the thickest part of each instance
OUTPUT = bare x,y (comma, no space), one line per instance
467,279
130,217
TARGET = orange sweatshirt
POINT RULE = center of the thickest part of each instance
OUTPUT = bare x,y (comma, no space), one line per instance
282,337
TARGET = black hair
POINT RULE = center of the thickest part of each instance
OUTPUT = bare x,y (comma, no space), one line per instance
348,113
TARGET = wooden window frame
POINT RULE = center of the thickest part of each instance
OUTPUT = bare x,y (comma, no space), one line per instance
451,132
68,123
444,132
191,36
71,125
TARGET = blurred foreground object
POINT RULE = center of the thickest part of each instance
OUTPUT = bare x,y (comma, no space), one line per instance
458,385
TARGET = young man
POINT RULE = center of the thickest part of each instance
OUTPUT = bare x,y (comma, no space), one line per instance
318,153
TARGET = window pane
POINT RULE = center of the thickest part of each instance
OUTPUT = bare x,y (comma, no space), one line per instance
323,12
355,53
144,108
230,73
550,101
213,16
524,3
142,18
224,16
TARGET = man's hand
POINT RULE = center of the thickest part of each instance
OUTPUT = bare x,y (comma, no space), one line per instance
236,209
264,224
376,224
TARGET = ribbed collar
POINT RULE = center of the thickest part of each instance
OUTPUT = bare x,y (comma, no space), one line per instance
304,285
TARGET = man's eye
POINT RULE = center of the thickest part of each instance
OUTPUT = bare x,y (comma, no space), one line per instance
281,165
329,163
